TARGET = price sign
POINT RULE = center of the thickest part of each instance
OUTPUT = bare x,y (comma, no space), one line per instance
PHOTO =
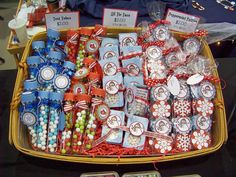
181,21
119,17
62,20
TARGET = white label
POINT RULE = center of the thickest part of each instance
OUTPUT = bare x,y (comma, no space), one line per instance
65,20
182,22
195,79
119,17
173,85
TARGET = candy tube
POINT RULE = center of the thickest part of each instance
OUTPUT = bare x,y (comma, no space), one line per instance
72,45
33,62
65,143
28,114
43,112
55,102
80,114
52,37
39,49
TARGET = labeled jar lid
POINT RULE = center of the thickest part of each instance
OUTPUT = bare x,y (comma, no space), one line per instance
92,46
53,34
69,65
98,92
47,73
79,88
31,84
28,97
33,60
182,125
69,97
207,90
43,94
160,92
38,45
112,87
114,121
56,96
163,126
136,128
102,111
202,123
192,45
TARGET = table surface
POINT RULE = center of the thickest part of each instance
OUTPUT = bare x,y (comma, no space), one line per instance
220,163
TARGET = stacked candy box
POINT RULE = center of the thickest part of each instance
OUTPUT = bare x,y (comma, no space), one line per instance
139,94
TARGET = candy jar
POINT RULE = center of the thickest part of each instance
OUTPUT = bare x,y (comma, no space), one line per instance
80,113
28,114
69,68
99,112
55,102
43,113
85,33
72,45
52,37
65,144
33,63
39,49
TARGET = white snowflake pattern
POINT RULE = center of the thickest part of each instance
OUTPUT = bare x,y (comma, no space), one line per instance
161,109
182,108
163,146
200,139
204,107
183,142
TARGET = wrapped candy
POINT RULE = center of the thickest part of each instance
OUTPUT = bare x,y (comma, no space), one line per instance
81,106
52,37
72,45
28,114
99,112
43,115
55,102
66,135
33,64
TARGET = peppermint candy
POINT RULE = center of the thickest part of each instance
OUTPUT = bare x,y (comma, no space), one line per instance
182,108
161,146
161,109
204,107
183,142
200,139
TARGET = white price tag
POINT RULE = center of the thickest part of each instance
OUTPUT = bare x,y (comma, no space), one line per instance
182,22
119,17
62,20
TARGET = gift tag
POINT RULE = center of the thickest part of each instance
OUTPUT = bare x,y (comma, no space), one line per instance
128,39
81,73
207,90
154,53
47,73
132,69
92,46
161,33
163,126
109,69
79,89
61,82
183,142
184,92
112,87
136,128
182,108
108,52
102,112
160,92
195,79
202,123
182,125
161,109
171,59
173,85
200,139
204,107
192,46
28,118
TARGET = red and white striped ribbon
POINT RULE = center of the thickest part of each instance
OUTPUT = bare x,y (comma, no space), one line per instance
92,65
81,104
68,107
130,55
73,39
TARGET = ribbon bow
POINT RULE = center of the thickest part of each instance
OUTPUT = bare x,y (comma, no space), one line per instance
73,39
79,104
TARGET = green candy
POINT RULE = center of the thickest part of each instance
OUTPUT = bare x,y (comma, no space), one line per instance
88,146
77,125
81,127
93,133
88,132
63,151
68,143
74,136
